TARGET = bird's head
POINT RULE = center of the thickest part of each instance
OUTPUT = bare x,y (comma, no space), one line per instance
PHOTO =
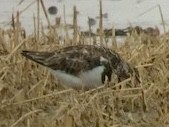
124,70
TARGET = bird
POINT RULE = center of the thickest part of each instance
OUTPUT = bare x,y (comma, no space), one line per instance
52,10
84,66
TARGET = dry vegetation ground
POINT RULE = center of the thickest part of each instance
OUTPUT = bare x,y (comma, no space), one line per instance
30,97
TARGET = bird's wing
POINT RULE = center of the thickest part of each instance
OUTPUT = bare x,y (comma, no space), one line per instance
71,60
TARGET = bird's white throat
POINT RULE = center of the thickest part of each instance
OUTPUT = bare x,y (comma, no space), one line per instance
87,79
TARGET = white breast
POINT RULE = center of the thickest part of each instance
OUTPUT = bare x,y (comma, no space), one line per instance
92,78
88,79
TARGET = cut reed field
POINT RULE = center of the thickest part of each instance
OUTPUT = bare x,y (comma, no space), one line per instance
31,97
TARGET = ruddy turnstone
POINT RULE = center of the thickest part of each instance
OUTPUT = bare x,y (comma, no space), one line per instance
84,66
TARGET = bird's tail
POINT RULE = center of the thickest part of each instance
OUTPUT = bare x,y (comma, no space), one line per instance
39,57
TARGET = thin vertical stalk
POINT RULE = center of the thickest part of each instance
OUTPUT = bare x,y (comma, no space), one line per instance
74,25
46,15
90,30
65,26
114,44
34,24
13,22
38,18
162,18
16,31
101,25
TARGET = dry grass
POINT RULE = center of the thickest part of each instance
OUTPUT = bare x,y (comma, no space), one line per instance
29,95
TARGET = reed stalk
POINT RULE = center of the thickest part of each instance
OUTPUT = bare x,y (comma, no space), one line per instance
101,24
162,18
75,30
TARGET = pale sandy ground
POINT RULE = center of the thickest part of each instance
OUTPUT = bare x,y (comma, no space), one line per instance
121,13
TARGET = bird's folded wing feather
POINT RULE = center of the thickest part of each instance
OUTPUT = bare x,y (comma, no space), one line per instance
71,61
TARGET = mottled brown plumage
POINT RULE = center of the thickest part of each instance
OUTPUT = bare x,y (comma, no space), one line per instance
74,60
